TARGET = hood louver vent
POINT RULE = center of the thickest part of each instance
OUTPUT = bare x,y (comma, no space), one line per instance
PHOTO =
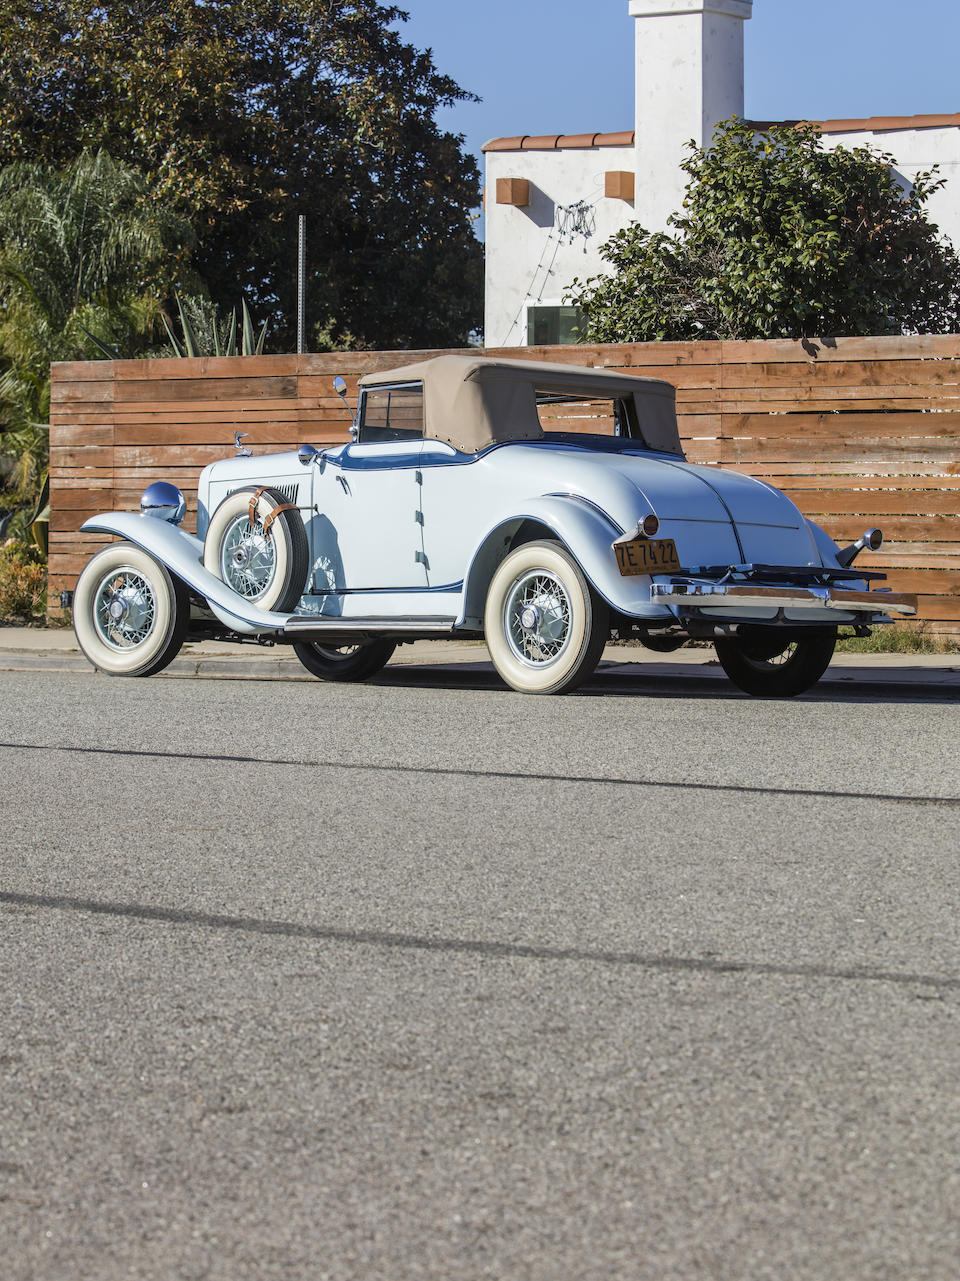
290,492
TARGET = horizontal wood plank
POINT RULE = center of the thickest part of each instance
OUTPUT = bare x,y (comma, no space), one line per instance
895,426
901,502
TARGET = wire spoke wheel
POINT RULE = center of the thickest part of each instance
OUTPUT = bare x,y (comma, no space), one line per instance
544,624
248,558
258,546
130,613
124,608
776,664
537,617
345,662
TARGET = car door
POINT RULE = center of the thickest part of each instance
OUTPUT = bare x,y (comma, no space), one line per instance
455,511
366,533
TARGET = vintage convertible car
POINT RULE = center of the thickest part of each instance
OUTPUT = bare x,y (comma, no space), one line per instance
543,507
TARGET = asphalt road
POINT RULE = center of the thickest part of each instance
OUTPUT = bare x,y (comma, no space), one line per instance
425,979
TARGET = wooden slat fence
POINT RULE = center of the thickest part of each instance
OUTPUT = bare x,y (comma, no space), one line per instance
857,431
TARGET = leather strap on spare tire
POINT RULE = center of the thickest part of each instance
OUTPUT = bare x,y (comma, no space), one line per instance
272,516
253,504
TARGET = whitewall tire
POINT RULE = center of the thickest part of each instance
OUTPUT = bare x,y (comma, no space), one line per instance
130,614
265,561
544,624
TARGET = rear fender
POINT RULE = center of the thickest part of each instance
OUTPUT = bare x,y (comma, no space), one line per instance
182,554
588,534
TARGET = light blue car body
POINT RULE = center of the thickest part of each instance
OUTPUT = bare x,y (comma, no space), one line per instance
411,531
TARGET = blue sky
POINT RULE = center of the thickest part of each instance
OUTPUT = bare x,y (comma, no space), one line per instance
566,66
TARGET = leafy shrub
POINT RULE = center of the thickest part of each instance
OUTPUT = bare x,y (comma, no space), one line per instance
779,237
23,582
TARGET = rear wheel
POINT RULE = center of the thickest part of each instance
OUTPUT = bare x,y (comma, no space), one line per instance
544,624
770,663
345,662
130,614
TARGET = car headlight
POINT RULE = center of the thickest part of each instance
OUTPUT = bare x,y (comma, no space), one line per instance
163,501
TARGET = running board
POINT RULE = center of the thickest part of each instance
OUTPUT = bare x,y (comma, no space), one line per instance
304,627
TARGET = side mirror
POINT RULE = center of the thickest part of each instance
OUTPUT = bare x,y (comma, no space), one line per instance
340,387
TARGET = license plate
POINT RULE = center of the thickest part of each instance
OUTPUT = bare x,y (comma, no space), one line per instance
647,556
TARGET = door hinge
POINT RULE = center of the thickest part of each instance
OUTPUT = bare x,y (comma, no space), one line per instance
420,558
418,517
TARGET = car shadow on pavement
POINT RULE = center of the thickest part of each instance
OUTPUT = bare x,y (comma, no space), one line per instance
614,684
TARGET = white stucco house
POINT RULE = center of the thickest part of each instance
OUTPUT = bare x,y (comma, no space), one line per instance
552,201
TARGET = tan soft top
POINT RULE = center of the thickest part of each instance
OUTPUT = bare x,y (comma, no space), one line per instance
472,402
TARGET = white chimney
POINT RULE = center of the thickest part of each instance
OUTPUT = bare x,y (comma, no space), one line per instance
689,76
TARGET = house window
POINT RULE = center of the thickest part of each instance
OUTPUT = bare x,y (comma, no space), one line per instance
553,326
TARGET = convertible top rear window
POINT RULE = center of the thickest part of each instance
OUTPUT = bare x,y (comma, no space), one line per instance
600,416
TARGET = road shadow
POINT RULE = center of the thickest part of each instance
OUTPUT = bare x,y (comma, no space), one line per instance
611,683
487,948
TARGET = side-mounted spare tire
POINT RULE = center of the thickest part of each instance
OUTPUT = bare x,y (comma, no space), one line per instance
257,544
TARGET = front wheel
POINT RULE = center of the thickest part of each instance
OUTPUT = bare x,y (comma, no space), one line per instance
130,614
345,662
544,624
769,663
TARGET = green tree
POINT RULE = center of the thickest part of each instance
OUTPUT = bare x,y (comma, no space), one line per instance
243,114
779,238
86,255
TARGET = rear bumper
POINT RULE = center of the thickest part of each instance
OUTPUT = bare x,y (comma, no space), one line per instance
688,598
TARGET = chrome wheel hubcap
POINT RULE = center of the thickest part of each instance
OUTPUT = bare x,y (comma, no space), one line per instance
537,618
124,608
248,558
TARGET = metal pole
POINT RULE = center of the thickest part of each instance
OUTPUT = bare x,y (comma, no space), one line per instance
301,278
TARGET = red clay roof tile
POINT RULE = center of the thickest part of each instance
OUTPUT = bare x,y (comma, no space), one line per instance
866,124
570,141
560,141
625,139
869,124
542,142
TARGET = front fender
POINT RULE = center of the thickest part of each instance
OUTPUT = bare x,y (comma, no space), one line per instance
588,534
183,555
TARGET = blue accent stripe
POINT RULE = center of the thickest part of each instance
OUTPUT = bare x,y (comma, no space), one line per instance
348,461
373,462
